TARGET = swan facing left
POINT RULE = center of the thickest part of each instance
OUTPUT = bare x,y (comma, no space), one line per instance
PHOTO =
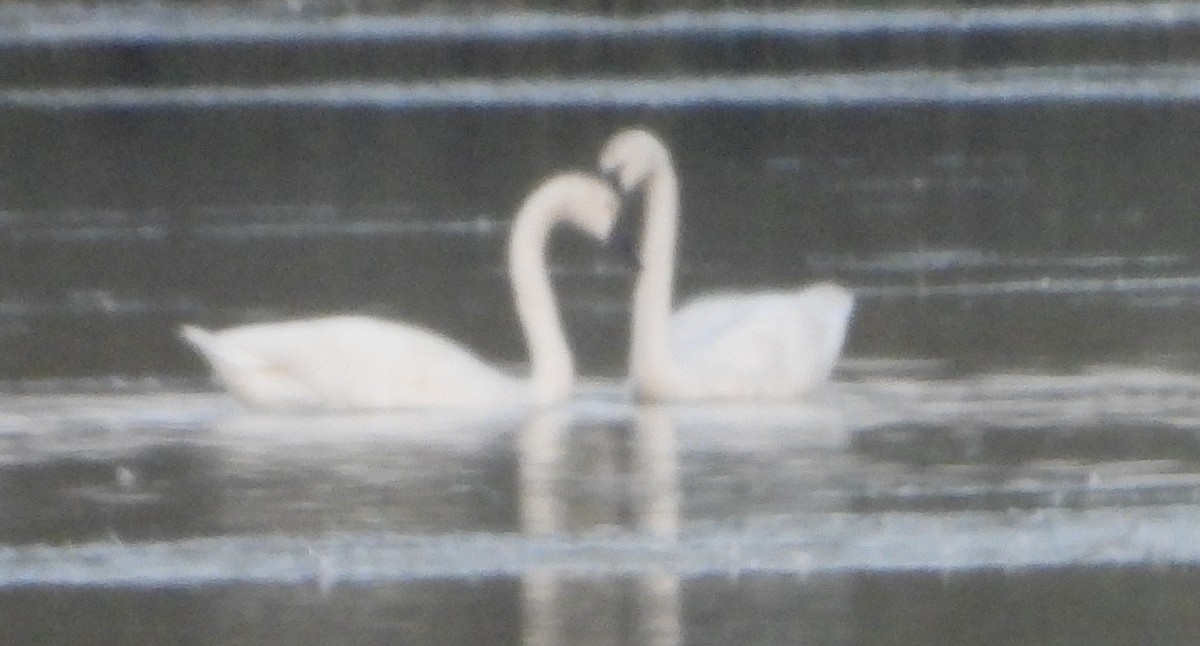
735,346
360,362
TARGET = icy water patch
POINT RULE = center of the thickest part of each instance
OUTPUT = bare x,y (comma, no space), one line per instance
1006,471
804,546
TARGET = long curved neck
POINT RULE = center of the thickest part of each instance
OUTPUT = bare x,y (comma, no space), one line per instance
650,359
551,366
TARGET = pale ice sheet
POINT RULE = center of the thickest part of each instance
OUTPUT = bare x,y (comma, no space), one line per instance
868,392
1160,536
1067,510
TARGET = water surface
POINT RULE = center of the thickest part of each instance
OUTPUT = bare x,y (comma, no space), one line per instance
1008,454
141,513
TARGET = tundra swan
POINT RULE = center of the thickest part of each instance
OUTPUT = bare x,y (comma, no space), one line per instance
767,345
360,362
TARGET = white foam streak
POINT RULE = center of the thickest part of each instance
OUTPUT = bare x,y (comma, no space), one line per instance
1012,86
26,25
802,545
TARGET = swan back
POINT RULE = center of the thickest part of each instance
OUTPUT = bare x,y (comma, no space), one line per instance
248,375
759,345
832,306
348,363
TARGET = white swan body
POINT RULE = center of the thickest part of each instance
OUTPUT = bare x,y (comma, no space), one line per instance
752,346
347,363
362,362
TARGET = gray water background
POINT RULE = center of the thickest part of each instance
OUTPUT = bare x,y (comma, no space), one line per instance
162,167
1008,457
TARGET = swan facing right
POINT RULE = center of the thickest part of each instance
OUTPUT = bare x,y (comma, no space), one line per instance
769,345
360,362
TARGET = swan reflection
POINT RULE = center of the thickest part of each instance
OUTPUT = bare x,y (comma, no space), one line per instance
578,478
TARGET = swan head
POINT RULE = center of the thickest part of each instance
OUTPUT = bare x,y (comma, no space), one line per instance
631,156
584,201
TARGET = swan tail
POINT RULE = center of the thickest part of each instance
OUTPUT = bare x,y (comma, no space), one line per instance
195,335
207,344
202,340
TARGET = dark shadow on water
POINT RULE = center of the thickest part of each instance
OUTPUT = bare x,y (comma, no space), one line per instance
481,612
151,493
1014,445
1097,607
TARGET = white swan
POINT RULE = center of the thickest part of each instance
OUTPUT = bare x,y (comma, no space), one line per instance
360,362
735,346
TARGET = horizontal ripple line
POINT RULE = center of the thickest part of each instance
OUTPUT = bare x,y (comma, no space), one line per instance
1010,86
805,545
1044,286
162,26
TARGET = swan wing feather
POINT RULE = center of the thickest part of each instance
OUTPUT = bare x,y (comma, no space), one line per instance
762,344
352,362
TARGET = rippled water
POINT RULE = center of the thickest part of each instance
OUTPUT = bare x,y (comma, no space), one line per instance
1009,453
615,522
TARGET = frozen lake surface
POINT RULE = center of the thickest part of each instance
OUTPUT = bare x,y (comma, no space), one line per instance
1006,471
895,477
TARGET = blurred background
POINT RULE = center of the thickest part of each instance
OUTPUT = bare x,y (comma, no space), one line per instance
1005,185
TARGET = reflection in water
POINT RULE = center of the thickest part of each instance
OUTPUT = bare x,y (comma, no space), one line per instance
577,479
419,472
603,522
